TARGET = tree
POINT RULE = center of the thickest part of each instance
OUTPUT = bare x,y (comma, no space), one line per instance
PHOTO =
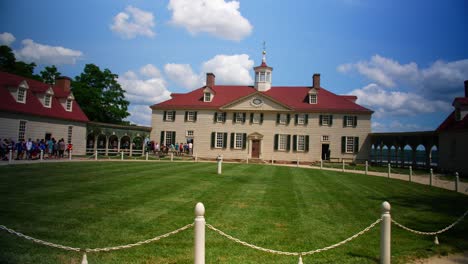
50,74
9,64
100,95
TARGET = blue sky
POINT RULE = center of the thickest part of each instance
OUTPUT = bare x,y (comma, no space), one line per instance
406,60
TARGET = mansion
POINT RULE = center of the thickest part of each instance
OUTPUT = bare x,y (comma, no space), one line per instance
265,122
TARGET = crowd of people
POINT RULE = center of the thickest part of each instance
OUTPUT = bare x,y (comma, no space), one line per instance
31,150
178,148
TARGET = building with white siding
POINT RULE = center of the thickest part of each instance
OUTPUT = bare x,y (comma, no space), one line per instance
36,110
281,123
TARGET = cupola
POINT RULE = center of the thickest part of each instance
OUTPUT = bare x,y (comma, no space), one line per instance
263,75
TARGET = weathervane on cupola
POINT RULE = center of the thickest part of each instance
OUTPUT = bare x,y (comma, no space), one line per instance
263,74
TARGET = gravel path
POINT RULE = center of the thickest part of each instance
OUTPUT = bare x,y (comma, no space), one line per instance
450,259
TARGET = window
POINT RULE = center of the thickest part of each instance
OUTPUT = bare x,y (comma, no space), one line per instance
190,116
262,76
69,105
349,121
239,117
301,119
326,120
239,140
219,140
220,117
301,143
282,142
70,133
169,116
349,144
256,118
21,97
282,119
47,100
325,138
257,76
21,130
268,77
207,97
189,133
169,138
312,98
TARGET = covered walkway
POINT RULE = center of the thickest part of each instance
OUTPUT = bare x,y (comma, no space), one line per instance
416,149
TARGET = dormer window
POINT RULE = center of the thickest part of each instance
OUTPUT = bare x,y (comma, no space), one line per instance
48,100
312,98
69,105
21,95
207,97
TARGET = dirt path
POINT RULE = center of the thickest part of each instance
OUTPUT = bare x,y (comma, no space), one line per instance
461,258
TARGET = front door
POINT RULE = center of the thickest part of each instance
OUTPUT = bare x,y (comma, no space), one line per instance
255,149
325,152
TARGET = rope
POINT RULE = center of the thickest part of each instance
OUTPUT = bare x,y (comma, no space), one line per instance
431,233
45,243
272,251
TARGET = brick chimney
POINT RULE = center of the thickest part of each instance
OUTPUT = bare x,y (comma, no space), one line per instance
466,88
210,80
316,80
63,83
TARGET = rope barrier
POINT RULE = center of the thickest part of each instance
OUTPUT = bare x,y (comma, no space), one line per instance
278,252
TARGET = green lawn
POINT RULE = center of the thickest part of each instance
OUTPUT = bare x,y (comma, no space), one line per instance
100,204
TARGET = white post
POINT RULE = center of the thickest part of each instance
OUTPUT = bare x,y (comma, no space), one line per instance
146,155
389,168
247,160
172,156
10,157
42,155
220,161
272,161
410,173
342,161
121,155
385,234
431,175
457,180
199,252
70,154
321,164
196,157
95,155
367,167
297,162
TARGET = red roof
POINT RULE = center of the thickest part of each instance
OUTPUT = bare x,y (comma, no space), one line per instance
295,98
450,123
33,105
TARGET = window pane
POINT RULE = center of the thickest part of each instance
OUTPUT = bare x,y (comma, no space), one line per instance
239,140
219,140
301,143
349,144
325,120
282,142
301,119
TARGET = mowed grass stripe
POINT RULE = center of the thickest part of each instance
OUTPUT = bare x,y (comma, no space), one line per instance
96,204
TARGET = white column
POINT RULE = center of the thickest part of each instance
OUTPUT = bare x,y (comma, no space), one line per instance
199,252
367,167
410,173
431,175
385,234
457,180
220,163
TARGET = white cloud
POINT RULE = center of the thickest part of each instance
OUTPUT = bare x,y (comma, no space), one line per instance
133,22
216,17
45,54
228,69
441,80
143,91
183,75
6,38
396,103
149,70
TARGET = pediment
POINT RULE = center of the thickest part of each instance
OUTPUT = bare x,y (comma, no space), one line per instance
256,102
24,85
